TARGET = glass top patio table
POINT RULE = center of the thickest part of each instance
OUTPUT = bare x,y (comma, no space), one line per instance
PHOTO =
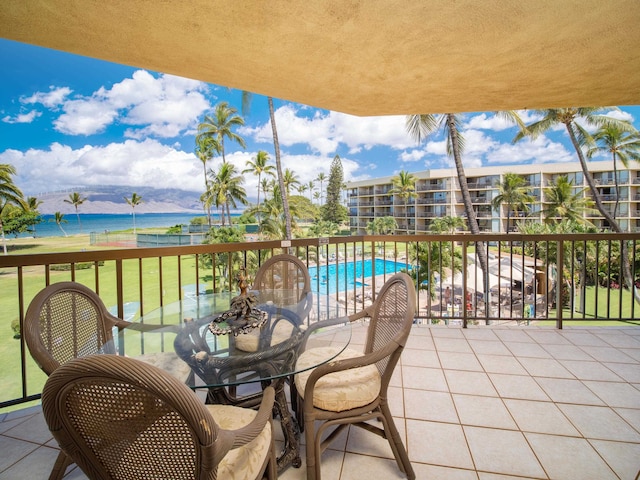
222,360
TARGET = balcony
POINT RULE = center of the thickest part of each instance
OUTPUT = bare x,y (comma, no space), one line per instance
518,401
486,372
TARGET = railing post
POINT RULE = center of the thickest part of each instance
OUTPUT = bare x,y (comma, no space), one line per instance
559,283
119,288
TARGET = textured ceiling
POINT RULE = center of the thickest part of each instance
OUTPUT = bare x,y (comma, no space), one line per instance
364,57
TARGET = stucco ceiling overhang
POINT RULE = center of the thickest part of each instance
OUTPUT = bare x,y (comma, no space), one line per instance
363,57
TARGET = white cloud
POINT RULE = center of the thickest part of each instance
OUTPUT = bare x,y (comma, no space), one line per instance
147,163
412,156
85,117
324,132
485,121
51,99
541,150
165,106
23,117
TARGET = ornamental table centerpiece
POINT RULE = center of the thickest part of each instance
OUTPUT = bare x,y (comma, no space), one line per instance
243,315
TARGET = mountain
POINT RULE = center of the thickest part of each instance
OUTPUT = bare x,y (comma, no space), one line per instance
111,199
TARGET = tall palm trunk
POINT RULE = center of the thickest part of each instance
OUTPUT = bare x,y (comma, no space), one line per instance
624,251
206,189
283,192
615,179
468,205
4,240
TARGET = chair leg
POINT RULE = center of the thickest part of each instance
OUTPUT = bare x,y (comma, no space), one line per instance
311,449
60,467
393,436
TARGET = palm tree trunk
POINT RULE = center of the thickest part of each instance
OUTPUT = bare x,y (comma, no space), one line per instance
206,189
615,179
624,251
258,211
4,240
468,206
283,192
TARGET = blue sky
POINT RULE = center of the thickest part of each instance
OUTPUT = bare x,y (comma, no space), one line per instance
68,121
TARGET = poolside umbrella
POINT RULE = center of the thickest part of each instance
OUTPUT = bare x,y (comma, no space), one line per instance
512,270
475,279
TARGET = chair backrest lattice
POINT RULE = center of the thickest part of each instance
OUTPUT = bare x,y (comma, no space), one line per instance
123,419
283,272
67,320
391,320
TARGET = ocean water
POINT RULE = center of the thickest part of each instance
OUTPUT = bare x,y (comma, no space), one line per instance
92,222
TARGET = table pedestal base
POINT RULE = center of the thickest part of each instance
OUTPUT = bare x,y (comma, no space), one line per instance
291,453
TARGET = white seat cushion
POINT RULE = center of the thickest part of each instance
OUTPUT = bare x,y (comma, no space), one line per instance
246,461
338,391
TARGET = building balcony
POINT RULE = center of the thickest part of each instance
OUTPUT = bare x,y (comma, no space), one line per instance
157,276
512,401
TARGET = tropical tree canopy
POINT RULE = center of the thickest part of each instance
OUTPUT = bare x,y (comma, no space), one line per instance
10,195
514,193
561,202
620,141
447,224
76,200
404,186
221,125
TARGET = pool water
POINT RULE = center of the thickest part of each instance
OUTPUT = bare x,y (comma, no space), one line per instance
350,275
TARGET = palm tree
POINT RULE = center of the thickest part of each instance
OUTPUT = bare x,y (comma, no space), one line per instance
321,178
32,204
311,186
562,203
590,116
9,194
76,200
302,188
226,188
59,219
246,101
134,201
206,146
420,126
404,186
622,143
290,179
513,192
447,224
221,125
259,166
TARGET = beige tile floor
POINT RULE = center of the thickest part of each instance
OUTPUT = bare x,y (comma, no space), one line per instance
485,403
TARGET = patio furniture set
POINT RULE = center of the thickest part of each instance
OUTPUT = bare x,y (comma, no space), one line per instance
123,404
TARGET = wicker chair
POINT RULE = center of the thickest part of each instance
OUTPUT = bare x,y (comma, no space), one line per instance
353,388
67,320
119,418
280,274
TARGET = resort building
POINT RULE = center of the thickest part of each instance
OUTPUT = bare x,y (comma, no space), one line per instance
437,194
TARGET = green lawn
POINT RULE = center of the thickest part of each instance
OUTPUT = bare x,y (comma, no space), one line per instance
12,349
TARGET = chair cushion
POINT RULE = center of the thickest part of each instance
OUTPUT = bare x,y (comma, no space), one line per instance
339,391
169,362
248,342
248,460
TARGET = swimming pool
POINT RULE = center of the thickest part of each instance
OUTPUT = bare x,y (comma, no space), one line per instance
350,275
